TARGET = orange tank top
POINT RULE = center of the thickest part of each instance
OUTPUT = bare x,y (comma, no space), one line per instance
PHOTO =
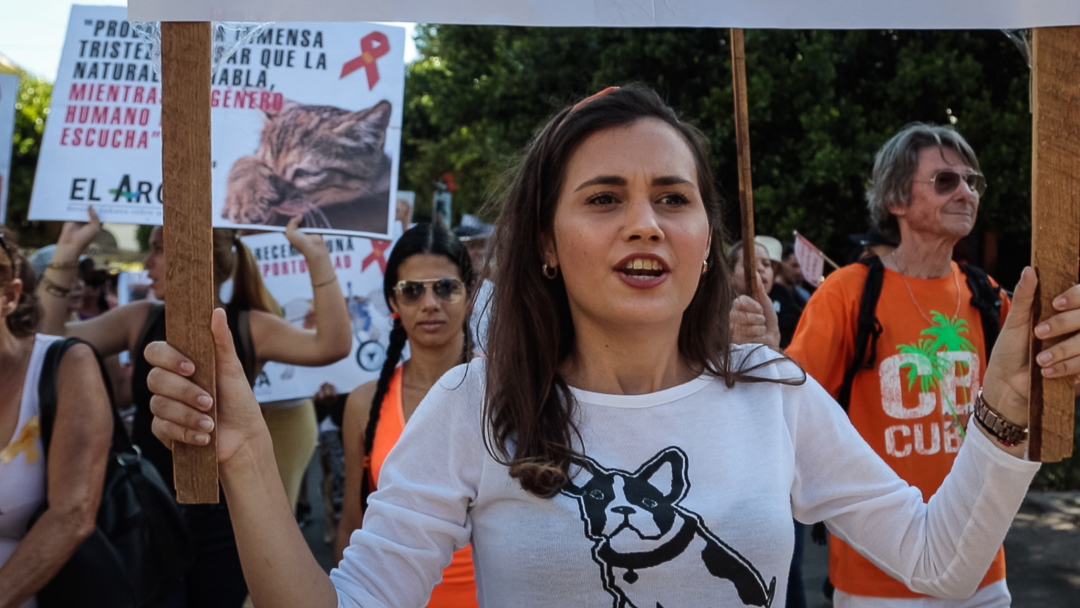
458,586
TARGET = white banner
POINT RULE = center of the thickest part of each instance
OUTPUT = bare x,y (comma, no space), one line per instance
784,14
359,264
9,91
306,120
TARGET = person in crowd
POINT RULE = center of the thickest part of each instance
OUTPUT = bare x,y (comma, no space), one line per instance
586,474
761,259
788,294
428,282
924,194
752,320
78,309
67,480
476,237
261,335
774,247
790,275
330,412
95,293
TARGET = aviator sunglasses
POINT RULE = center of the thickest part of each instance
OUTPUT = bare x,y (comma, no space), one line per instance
945,182
451,291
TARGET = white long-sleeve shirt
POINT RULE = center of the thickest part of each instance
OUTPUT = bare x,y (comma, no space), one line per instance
685,498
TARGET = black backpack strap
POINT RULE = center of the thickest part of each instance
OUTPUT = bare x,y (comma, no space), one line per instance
988,300
867,331
48,395
47,391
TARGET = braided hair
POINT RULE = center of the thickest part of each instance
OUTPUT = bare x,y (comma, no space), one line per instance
423,238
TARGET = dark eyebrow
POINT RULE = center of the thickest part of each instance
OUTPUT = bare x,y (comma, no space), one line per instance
670,180
615,180
603,180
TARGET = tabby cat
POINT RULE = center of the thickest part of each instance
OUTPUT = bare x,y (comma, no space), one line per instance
323,163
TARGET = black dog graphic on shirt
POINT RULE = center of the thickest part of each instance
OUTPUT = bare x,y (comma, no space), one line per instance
641,533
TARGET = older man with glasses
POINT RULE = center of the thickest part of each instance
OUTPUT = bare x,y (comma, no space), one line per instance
910,374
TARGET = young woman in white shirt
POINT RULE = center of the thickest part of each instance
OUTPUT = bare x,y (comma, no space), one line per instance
614,448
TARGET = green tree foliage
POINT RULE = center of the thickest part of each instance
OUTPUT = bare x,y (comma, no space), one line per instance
821,104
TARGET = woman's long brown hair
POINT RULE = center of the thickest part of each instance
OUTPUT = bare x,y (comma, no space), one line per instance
529,411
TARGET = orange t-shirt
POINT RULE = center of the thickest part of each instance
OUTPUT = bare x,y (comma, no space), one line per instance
927,366
458,586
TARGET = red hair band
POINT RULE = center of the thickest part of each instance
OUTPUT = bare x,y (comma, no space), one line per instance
584,102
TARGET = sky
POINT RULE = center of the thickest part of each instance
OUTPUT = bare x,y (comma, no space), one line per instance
32,32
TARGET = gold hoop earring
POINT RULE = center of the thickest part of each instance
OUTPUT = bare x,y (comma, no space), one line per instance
550,275
704,267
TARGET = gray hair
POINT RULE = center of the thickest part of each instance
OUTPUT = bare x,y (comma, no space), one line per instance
895,166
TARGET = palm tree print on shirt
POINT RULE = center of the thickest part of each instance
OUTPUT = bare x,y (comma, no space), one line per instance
944,335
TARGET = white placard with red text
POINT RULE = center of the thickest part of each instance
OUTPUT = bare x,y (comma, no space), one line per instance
9,91
102,142
359,264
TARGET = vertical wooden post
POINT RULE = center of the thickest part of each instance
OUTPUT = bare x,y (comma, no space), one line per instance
742,147
188,234
1055,220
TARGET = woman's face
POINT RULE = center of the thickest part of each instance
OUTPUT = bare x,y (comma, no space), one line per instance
630,231
764,270
155,263
430,322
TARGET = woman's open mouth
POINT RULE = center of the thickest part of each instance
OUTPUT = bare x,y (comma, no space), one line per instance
642,272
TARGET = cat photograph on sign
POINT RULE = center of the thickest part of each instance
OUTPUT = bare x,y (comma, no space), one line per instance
307,122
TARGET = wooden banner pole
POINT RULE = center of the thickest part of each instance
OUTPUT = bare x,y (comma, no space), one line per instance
742,147
188,234
1055,221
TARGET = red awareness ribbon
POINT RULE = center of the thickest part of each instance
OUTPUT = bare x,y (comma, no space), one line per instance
378,248
372,46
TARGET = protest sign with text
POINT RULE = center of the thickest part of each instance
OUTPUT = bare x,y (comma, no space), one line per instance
306,120
359,264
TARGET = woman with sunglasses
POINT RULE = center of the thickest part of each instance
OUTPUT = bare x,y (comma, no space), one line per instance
614,448
69,478
428,284
261,335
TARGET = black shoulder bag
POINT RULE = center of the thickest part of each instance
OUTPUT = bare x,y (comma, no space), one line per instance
140,546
